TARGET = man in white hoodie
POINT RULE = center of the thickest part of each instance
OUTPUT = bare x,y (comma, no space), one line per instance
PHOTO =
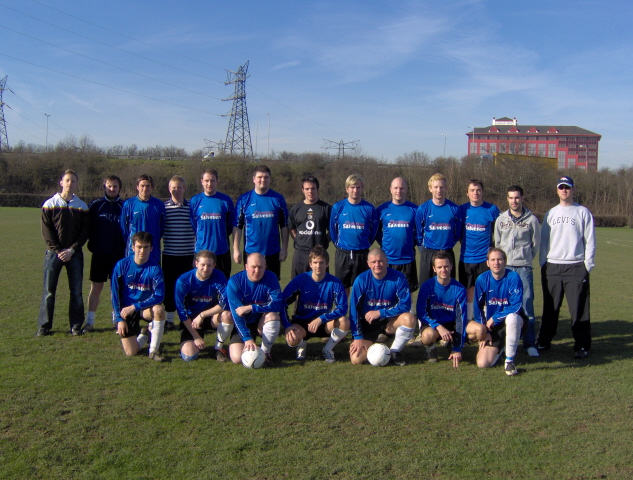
518,234
566,257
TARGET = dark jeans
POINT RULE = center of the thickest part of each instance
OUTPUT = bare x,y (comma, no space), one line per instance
173,267
75,270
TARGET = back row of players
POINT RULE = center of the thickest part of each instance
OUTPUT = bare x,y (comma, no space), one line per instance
380,301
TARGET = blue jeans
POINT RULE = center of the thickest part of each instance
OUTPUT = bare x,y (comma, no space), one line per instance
527,278
75,270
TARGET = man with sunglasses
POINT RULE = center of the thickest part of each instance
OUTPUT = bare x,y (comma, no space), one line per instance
566,258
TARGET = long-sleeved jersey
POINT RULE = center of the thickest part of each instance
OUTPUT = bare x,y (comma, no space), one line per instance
264,297
105,237
567,236
143,216
261,217
477,229
438,304
64,224
178,237
499,297
353,226
438,226
212,220
194,296
325,300
397,232
138,285
390,296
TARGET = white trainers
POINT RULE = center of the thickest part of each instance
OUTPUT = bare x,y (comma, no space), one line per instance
532,352
416,342
328,356
301,354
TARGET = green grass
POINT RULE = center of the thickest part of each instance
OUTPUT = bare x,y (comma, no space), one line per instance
77,408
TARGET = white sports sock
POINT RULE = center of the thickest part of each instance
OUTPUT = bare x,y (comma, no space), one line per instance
302,344
403,335
223,333
470,310
269,334
142,341
336,336
157,335
169,316
90,318
513,333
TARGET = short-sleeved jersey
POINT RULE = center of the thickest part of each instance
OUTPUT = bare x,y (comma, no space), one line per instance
264,296
499,297
143,216
390,296
353,226
138,285
397,232
438,305
261,217
311,222
438,226
105,236
325,300
194,295
478,225
178,238
212,221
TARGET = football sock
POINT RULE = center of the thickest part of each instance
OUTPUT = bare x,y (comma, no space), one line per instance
90,318
302,344
513,333
222,334
142,341
470,310
169,316
403,335
336,336
157,335
270,330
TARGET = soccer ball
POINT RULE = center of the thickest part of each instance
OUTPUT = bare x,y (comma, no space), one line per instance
378,355
253,358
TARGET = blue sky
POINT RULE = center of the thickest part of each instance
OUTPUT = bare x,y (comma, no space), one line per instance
394,75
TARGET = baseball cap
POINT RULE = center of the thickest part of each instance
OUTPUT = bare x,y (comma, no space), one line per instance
565,181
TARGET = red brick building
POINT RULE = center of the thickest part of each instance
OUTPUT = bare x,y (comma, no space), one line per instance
573,147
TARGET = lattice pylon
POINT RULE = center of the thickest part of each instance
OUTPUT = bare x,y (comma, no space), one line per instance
4,140
238,135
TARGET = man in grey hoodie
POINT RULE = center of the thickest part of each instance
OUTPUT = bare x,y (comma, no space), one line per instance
518,234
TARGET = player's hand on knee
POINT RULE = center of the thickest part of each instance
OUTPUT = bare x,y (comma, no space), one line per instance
121,328
199,342
314,325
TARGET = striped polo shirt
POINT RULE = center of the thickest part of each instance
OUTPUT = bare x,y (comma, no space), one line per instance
179,238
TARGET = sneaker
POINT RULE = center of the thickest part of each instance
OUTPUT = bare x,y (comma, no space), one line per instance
382,338
511,369
494,361
542,348
532,352
156,356
301,354
220,355
416,342
88,327
581,353
268,360
42,332
328,356
76,330
431,354
169,327
396,359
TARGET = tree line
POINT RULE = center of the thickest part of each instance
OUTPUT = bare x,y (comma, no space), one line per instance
28,177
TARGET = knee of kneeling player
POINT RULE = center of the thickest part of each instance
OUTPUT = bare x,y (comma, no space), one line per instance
159,312
407,320
343,324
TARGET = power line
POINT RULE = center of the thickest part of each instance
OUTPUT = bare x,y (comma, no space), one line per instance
127,36
109,86
38,111
111,46
109,64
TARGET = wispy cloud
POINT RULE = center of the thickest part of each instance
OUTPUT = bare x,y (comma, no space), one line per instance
286,65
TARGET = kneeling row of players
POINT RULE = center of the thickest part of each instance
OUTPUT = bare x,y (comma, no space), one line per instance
250,305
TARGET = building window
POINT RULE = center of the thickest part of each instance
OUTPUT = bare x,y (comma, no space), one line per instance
551,151
531,149
561,160
571,162
473,148
493,148
541,149
483,147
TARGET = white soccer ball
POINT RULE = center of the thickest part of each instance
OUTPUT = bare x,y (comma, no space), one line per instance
378,355
253,358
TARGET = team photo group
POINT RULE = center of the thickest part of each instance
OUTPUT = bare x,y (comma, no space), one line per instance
216,266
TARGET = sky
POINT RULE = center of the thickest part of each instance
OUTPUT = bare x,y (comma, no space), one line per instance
397,76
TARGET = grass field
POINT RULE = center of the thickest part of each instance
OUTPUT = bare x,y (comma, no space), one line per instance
77,408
